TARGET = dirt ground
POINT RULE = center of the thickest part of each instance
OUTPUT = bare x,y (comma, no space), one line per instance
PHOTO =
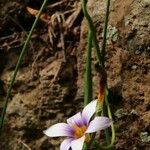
49,85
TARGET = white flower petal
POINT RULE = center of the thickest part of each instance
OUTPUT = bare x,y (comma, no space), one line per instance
88,111
78,143
75,120
59,129
66,144
99,123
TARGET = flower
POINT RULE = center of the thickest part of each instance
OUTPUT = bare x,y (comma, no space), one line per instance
78,127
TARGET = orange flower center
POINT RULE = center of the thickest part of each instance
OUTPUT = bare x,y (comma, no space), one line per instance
80,131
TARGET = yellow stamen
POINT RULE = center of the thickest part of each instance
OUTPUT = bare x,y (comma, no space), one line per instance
80,131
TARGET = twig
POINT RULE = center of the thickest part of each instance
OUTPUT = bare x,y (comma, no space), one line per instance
24,144
16,22
56,4
21,27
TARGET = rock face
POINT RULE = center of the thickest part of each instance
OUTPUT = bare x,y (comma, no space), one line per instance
48,90
38,103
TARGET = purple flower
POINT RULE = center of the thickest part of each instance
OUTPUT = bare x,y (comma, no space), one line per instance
78,127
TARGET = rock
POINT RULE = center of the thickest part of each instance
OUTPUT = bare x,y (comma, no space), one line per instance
145,137
120,113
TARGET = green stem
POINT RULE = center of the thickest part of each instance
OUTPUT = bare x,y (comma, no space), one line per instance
105,113
93,32
105,107
112,126
110,116
88,75
101,60
105,30
18,65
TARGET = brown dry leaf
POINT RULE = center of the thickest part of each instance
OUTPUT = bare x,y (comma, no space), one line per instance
44,17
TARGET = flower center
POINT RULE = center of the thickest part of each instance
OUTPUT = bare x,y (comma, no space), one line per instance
80,131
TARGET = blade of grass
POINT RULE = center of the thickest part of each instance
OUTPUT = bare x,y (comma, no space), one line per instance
88,73
110,143
105,29
101,60
110,116
93,32
18,65
107,134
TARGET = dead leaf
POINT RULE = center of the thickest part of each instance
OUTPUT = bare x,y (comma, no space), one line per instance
44,17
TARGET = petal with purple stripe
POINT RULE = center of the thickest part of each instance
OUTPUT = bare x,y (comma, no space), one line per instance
88,111
76,120
59,129
66,144
99,123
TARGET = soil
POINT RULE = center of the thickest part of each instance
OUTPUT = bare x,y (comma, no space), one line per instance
50,82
